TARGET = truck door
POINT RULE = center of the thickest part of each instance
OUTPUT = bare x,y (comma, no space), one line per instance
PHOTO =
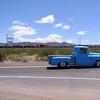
82,58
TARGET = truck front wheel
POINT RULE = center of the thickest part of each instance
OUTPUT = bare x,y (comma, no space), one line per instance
62,64
97,64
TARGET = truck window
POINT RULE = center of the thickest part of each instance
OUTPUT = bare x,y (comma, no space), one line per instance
74,50
83,50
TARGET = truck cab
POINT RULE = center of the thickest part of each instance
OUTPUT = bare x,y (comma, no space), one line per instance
81,56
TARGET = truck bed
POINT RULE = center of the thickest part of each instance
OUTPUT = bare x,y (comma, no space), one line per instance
51,56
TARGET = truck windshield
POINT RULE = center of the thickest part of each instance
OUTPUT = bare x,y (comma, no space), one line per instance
84,50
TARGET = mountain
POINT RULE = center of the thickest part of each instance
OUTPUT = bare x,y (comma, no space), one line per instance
30,44
63,44
2,44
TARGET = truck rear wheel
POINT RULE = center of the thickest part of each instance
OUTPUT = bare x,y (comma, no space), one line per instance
97,64
62,64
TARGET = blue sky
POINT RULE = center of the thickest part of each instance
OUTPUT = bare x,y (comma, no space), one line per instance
50,21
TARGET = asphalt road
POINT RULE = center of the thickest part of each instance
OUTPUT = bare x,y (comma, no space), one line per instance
79,83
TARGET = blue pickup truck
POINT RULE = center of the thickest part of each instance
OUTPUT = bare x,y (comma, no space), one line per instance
81,56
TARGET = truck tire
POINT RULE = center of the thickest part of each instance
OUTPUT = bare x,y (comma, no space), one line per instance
97,64
62,64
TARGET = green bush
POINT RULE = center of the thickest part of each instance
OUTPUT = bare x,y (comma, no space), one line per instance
1,56
21,54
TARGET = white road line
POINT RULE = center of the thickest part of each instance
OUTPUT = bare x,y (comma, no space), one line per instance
43,77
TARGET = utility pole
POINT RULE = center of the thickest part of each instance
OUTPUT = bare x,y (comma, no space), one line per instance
9,40
80,41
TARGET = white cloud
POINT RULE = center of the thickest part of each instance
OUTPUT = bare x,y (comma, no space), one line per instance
21,28
82,42
98,34
82,32
66,27
18,22
50,38
90,42
71,19
70,41
86,42
58,25
20,31
47,19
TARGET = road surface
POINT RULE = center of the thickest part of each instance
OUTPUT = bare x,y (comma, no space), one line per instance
44,83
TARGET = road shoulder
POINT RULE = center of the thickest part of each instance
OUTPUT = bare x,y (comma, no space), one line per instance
23,64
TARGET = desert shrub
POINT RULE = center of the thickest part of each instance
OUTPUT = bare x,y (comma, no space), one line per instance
97,50
2,56
14,57
25,54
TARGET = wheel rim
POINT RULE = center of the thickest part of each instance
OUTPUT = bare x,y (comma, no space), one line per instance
98,63
63,64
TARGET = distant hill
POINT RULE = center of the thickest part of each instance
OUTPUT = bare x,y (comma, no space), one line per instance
2,44
36,45
63,44
33,43
30,44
